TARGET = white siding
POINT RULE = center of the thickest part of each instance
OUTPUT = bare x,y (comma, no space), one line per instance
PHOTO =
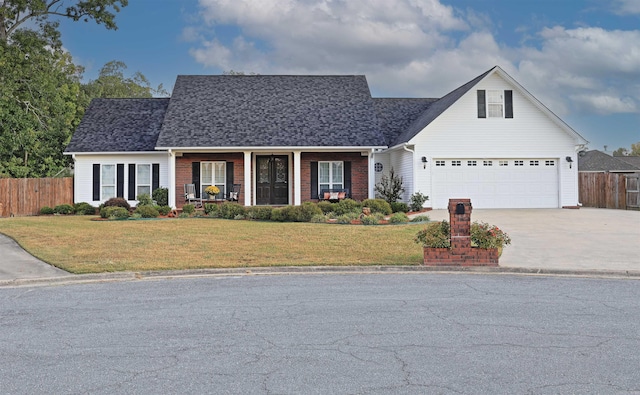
403,165
459,133
83,172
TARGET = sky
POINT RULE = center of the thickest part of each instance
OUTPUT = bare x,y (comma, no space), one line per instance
581,58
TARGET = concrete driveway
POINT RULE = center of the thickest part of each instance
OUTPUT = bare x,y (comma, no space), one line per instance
558,239
16,263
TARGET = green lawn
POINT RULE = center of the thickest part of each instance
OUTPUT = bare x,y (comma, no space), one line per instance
79,245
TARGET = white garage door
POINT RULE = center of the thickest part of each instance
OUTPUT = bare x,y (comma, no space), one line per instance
496,183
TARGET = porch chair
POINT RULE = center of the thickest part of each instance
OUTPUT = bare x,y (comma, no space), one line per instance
190,196
234,194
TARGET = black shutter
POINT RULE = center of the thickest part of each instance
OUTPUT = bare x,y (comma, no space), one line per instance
482,104
314,180
229,177
132,182
508,104
347,177
120,180
96,182
155,176
195,176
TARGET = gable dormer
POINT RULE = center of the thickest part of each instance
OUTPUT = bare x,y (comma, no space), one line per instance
495,103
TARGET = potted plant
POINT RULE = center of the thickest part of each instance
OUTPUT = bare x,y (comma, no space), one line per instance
212,191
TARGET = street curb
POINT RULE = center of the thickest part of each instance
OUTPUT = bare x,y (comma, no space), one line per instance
291,270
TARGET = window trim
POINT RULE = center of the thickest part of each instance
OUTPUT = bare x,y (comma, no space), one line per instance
103,196
331,184
221,185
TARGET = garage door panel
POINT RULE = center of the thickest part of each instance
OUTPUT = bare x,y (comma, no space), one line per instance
510,186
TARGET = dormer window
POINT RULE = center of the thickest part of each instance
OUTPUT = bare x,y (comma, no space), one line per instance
495,104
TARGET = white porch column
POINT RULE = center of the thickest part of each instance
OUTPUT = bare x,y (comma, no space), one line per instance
248,192
297,179
372,174
171,171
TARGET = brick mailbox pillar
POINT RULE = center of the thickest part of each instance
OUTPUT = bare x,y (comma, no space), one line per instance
461,253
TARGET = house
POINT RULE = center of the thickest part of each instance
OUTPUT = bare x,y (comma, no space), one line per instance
285,139
595,161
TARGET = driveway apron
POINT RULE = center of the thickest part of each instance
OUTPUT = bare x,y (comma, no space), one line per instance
16,263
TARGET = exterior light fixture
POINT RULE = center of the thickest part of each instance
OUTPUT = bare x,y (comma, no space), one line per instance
570,160
424,162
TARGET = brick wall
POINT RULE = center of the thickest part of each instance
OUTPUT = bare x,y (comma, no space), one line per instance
183,171
359,172
461,253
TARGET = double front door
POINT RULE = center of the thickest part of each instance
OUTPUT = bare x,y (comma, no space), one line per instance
272,180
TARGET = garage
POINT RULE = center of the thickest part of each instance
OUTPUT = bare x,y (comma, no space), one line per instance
496,183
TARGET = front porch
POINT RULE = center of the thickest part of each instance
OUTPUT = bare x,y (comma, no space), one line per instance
269,178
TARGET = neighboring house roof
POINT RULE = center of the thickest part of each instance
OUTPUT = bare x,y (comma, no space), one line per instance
119,125
597,161
395,115
632,160
270,111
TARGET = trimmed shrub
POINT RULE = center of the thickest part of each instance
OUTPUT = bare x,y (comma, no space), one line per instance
377,206
84,208
291,213
399,218
114,212
370,220
435,235
46,210
188,209
147,211
347,218
259,212
318,219
117,202
163,210
64,209
144,200
211,209
278,214
421,218
347,206
417,200
326,206
161,196
229,210
183,215
399,207
307,211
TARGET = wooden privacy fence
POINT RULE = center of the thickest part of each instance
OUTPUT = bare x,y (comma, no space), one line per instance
26,196
608,190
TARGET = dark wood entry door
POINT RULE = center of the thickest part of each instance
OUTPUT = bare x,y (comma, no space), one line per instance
272,181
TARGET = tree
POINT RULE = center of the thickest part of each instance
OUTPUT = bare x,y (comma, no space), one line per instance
40,104
112,83
390,187
14,13
634,151
621,152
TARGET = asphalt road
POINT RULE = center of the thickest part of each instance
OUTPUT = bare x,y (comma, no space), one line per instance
319,334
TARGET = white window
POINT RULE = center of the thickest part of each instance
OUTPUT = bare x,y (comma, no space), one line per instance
503,163
472,163
518,162
495,103
439,163
534,163
487,163
456,163
213,173
330,175
108,181
549,162
143,180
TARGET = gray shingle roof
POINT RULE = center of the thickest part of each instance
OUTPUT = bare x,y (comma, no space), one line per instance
436,109
264,111
595,160
395,115
119,125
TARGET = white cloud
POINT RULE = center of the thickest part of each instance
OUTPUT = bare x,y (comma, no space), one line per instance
626,7
420,48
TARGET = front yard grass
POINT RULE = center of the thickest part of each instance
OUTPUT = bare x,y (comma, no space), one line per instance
79,245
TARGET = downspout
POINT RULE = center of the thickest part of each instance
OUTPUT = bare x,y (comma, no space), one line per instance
413,165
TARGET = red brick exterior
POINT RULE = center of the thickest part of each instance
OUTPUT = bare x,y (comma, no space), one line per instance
183,171
461,253
359,172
